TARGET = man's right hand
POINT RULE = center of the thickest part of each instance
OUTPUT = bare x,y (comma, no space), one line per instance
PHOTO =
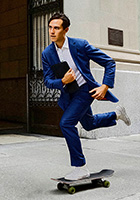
69,77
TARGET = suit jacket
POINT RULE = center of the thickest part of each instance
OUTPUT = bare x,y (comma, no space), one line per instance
82,52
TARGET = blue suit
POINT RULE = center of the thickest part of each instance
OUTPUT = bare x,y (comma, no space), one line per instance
76,106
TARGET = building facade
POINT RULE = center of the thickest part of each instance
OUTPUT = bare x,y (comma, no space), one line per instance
112,26
13,60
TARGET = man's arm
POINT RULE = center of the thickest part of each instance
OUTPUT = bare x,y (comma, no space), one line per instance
49,77
103,60
109,74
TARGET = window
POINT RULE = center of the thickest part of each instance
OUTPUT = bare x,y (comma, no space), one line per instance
39,13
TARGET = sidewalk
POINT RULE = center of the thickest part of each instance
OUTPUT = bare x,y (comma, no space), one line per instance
28,162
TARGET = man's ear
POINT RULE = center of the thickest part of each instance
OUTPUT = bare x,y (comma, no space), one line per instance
66,29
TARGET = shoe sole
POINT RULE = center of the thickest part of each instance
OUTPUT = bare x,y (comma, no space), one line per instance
86,176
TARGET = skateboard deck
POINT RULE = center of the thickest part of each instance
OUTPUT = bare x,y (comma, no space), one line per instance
96,179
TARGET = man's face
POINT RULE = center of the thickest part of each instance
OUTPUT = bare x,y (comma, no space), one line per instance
56,31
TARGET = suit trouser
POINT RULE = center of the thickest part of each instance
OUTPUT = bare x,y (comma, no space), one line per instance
79,110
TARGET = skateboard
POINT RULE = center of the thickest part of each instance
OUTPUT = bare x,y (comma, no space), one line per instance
95,179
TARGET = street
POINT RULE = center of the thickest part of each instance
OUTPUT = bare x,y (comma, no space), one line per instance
28,162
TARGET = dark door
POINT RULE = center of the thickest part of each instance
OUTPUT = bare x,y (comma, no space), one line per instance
43,112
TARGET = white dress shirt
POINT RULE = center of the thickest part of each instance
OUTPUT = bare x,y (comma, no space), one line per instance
65,55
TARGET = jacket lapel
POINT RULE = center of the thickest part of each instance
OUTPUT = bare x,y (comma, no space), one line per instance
73,49
74,53
54,54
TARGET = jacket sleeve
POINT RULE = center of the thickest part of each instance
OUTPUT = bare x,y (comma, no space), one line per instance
49,77
104,60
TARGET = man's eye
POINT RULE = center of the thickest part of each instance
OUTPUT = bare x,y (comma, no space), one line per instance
57,28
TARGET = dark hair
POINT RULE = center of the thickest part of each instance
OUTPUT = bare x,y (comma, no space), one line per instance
66,21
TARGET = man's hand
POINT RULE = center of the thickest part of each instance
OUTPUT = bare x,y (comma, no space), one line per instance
99,92
68,77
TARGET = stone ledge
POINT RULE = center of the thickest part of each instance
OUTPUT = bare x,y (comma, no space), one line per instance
121,54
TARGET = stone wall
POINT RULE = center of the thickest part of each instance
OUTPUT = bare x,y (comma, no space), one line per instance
90,20
13,60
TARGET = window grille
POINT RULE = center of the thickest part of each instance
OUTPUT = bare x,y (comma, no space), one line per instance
39,13
40,38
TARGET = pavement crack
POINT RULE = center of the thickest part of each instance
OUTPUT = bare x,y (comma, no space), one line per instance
129,197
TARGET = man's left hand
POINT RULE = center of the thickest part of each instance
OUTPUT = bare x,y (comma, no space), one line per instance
99,92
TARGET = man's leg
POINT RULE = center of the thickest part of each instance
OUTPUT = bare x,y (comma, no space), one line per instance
75,111
80,102
90,121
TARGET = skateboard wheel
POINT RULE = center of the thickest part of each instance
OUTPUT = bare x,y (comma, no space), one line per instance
71,190
60,186
106,184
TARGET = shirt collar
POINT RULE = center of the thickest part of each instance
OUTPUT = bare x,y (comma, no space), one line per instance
65,45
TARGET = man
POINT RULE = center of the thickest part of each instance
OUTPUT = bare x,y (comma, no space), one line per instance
77,53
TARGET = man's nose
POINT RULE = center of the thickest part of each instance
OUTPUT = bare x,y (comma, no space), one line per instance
52,30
